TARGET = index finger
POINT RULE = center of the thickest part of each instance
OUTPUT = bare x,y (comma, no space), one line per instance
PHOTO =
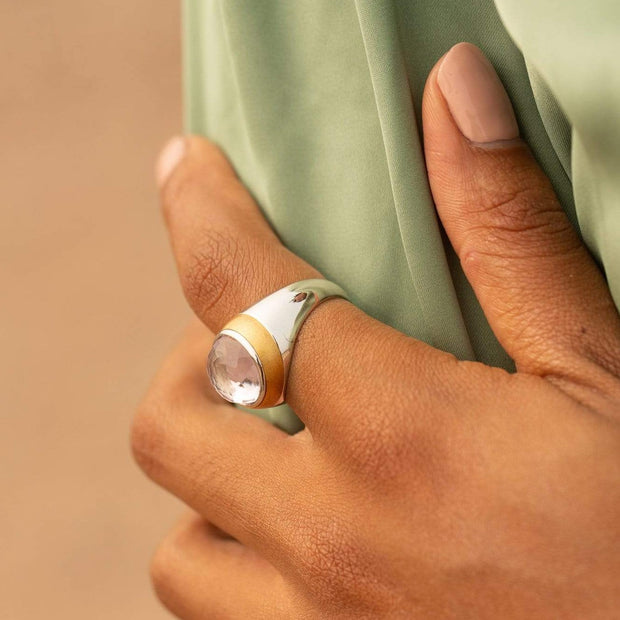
347,367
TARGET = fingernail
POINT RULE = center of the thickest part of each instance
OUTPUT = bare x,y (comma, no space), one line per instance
169,158
477,100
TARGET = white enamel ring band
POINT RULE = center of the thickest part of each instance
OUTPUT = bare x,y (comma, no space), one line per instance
250,358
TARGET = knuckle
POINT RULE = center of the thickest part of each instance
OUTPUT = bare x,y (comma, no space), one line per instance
397,436
209,272
382,449
523,210
148,438
520,223
163,572
509,195
387,456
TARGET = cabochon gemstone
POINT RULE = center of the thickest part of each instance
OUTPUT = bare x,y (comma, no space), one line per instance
233,372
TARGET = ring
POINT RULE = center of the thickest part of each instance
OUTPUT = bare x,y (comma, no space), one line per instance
250,358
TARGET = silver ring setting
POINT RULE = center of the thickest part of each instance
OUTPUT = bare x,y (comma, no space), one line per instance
251,356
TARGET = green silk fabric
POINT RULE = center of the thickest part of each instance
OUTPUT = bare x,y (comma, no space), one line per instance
317,103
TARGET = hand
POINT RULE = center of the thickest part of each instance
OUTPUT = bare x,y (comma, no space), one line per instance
422,486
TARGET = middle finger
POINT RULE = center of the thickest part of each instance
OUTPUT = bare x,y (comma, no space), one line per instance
235,469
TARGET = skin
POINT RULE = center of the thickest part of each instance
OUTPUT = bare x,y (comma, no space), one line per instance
422,486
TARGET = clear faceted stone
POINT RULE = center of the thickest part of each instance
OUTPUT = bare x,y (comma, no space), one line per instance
233,372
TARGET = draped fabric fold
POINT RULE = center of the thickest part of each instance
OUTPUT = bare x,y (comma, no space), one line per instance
317,105
419,230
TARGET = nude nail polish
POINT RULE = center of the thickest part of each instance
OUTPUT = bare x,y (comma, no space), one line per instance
169,158
477,100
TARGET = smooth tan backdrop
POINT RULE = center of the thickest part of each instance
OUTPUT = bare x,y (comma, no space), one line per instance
89,302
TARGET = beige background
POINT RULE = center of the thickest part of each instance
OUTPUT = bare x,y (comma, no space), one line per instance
89,302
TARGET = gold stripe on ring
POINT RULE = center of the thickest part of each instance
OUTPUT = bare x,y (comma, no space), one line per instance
268,353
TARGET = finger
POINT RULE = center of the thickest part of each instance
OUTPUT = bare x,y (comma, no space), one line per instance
216,229
199,573
233,468
543,295
228,259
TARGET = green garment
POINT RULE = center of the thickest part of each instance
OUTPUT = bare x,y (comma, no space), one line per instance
318,105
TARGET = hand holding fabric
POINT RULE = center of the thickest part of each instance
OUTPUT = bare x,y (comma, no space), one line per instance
422,486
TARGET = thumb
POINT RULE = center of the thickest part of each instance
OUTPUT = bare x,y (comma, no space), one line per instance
543,295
